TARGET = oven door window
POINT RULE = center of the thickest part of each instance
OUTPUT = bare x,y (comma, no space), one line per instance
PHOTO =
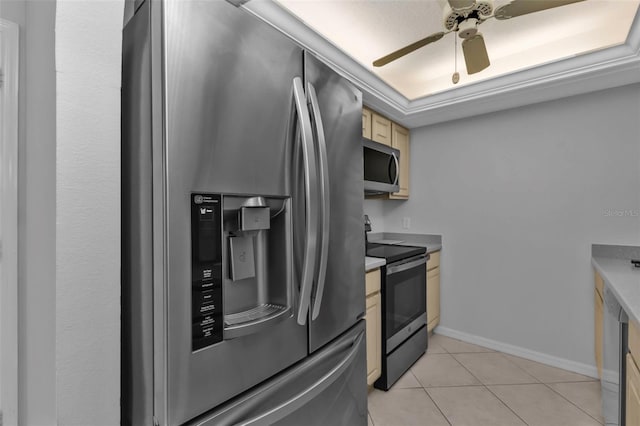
405,298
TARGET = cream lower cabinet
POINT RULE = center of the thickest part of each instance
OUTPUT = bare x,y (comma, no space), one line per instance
373,318
633,376
433,291
598,318
633,392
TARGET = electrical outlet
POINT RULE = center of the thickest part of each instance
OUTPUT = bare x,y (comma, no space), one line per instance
406,222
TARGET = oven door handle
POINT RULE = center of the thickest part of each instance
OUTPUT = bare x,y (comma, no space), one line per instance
408,265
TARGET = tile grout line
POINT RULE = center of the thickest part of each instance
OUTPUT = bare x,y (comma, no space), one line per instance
438,407
487,387
571,402
507,405
516,365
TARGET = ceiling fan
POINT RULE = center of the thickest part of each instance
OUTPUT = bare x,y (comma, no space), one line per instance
463,17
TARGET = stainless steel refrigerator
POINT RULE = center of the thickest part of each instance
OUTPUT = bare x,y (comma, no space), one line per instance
243,272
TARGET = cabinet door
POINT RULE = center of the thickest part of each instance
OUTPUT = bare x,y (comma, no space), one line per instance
380,129
634,339
433,298
598,318
400,141
434,260
372,282
599,283
366,123
373,318
633,392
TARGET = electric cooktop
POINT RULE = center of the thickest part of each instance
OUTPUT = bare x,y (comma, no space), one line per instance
392,253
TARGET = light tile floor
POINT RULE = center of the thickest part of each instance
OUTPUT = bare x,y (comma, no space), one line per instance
461,384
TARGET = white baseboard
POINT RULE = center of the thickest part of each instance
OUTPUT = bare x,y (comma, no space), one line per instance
553,361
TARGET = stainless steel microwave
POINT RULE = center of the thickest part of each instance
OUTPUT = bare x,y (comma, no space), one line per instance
381,168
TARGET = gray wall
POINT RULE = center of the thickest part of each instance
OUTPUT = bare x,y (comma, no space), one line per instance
519,197
375,210
36,210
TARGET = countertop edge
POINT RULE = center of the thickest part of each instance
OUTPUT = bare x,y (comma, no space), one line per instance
371,263
621,290
432,242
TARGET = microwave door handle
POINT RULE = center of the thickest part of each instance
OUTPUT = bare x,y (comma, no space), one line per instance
324,199
311,209
395,160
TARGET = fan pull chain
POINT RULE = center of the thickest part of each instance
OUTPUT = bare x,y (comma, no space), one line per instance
455,78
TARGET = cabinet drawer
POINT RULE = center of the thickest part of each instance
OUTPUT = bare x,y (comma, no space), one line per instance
599,283
634,339
372,282
434,260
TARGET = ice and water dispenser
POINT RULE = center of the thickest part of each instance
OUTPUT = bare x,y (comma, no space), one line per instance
241,265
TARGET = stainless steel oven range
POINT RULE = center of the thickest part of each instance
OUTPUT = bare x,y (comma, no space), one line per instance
404,309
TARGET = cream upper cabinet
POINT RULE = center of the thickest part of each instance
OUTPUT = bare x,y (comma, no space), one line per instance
400,141
373,319
380,129
433,290
366,123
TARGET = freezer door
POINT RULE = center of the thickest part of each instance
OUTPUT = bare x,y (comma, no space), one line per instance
329,388
336,109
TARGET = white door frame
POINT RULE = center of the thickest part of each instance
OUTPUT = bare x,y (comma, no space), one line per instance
9,69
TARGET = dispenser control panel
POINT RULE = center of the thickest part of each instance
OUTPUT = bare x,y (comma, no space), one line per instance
206,270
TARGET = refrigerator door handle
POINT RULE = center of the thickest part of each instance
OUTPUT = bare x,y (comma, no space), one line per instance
291,405
311,210
324,199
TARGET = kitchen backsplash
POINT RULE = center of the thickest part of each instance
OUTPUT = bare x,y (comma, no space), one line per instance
375,210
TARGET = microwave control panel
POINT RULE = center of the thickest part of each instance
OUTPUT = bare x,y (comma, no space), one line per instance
206,270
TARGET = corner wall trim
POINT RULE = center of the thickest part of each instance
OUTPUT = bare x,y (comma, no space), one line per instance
9,68
550,360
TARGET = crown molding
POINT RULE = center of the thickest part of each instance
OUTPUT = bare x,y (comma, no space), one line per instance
602,69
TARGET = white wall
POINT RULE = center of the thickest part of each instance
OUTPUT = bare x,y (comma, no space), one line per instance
69,184
88,63
519,197
36,205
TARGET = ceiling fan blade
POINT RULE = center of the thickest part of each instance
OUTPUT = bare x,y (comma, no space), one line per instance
523,7
475,54
407,49
461,4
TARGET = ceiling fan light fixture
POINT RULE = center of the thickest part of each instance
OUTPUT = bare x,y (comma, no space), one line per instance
481,10
468,28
